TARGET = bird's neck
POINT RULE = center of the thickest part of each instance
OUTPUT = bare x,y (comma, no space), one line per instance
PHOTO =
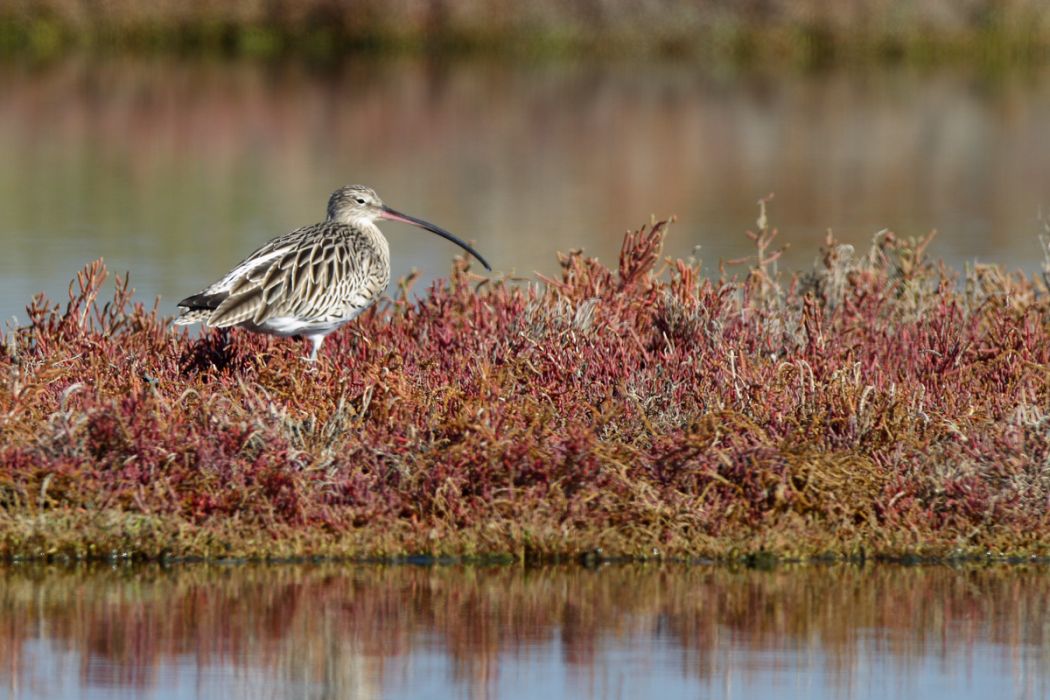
376,238
368,229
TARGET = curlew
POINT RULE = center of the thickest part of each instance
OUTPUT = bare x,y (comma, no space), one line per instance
313,280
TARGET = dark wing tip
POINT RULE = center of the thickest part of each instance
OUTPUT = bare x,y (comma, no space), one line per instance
202,302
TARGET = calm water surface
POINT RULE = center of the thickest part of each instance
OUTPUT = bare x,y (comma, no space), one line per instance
617,632
175,169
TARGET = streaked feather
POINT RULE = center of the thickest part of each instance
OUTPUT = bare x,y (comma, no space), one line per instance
247,305
320,274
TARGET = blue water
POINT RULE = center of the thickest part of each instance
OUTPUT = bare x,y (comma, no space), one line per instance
174,170
450,632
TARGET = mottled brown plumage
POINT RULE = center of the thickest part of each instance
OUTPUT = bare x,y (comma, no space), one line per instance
312,280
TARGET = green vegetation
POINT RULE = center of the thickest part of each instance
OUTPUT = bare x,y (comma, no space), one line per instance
881,405
796,30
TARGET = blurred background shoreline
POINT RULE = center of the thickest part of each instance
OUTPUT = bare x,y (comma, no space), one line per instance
801,32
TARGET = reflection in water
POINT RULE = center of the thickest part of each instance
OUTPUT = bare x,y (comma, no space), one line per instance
632,631
175,170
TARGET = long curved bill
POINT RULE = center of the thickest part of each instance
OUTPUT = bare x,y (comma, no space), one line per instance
393,215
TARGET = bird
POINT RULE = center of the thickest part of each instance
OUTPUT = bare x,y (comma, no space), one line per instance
313,280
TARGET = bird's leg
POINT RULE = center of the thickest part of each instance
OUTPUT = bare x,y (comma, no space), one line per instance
316,341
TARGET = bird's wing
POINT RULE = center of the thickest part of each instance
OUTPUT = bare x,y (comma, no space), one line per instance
301,274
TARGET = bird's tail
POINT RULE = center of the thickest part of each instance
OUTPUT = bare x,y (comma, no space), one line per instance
193,316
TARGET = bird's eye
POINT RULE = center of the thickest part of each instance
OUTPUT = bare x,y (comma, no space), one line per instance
360,200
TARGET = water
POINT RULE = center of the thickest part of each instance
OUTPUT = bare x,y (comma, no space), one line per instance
175,169
616,632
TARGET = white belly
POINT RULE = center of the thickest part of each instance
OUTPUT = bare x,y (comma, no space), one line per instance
290,325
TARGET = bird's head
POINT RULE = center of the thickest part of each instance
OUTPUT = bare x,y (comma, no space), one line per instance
354,204
357,205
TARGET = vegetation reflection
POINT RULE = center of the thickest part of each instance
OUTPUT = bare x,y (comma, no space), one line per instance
342,627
